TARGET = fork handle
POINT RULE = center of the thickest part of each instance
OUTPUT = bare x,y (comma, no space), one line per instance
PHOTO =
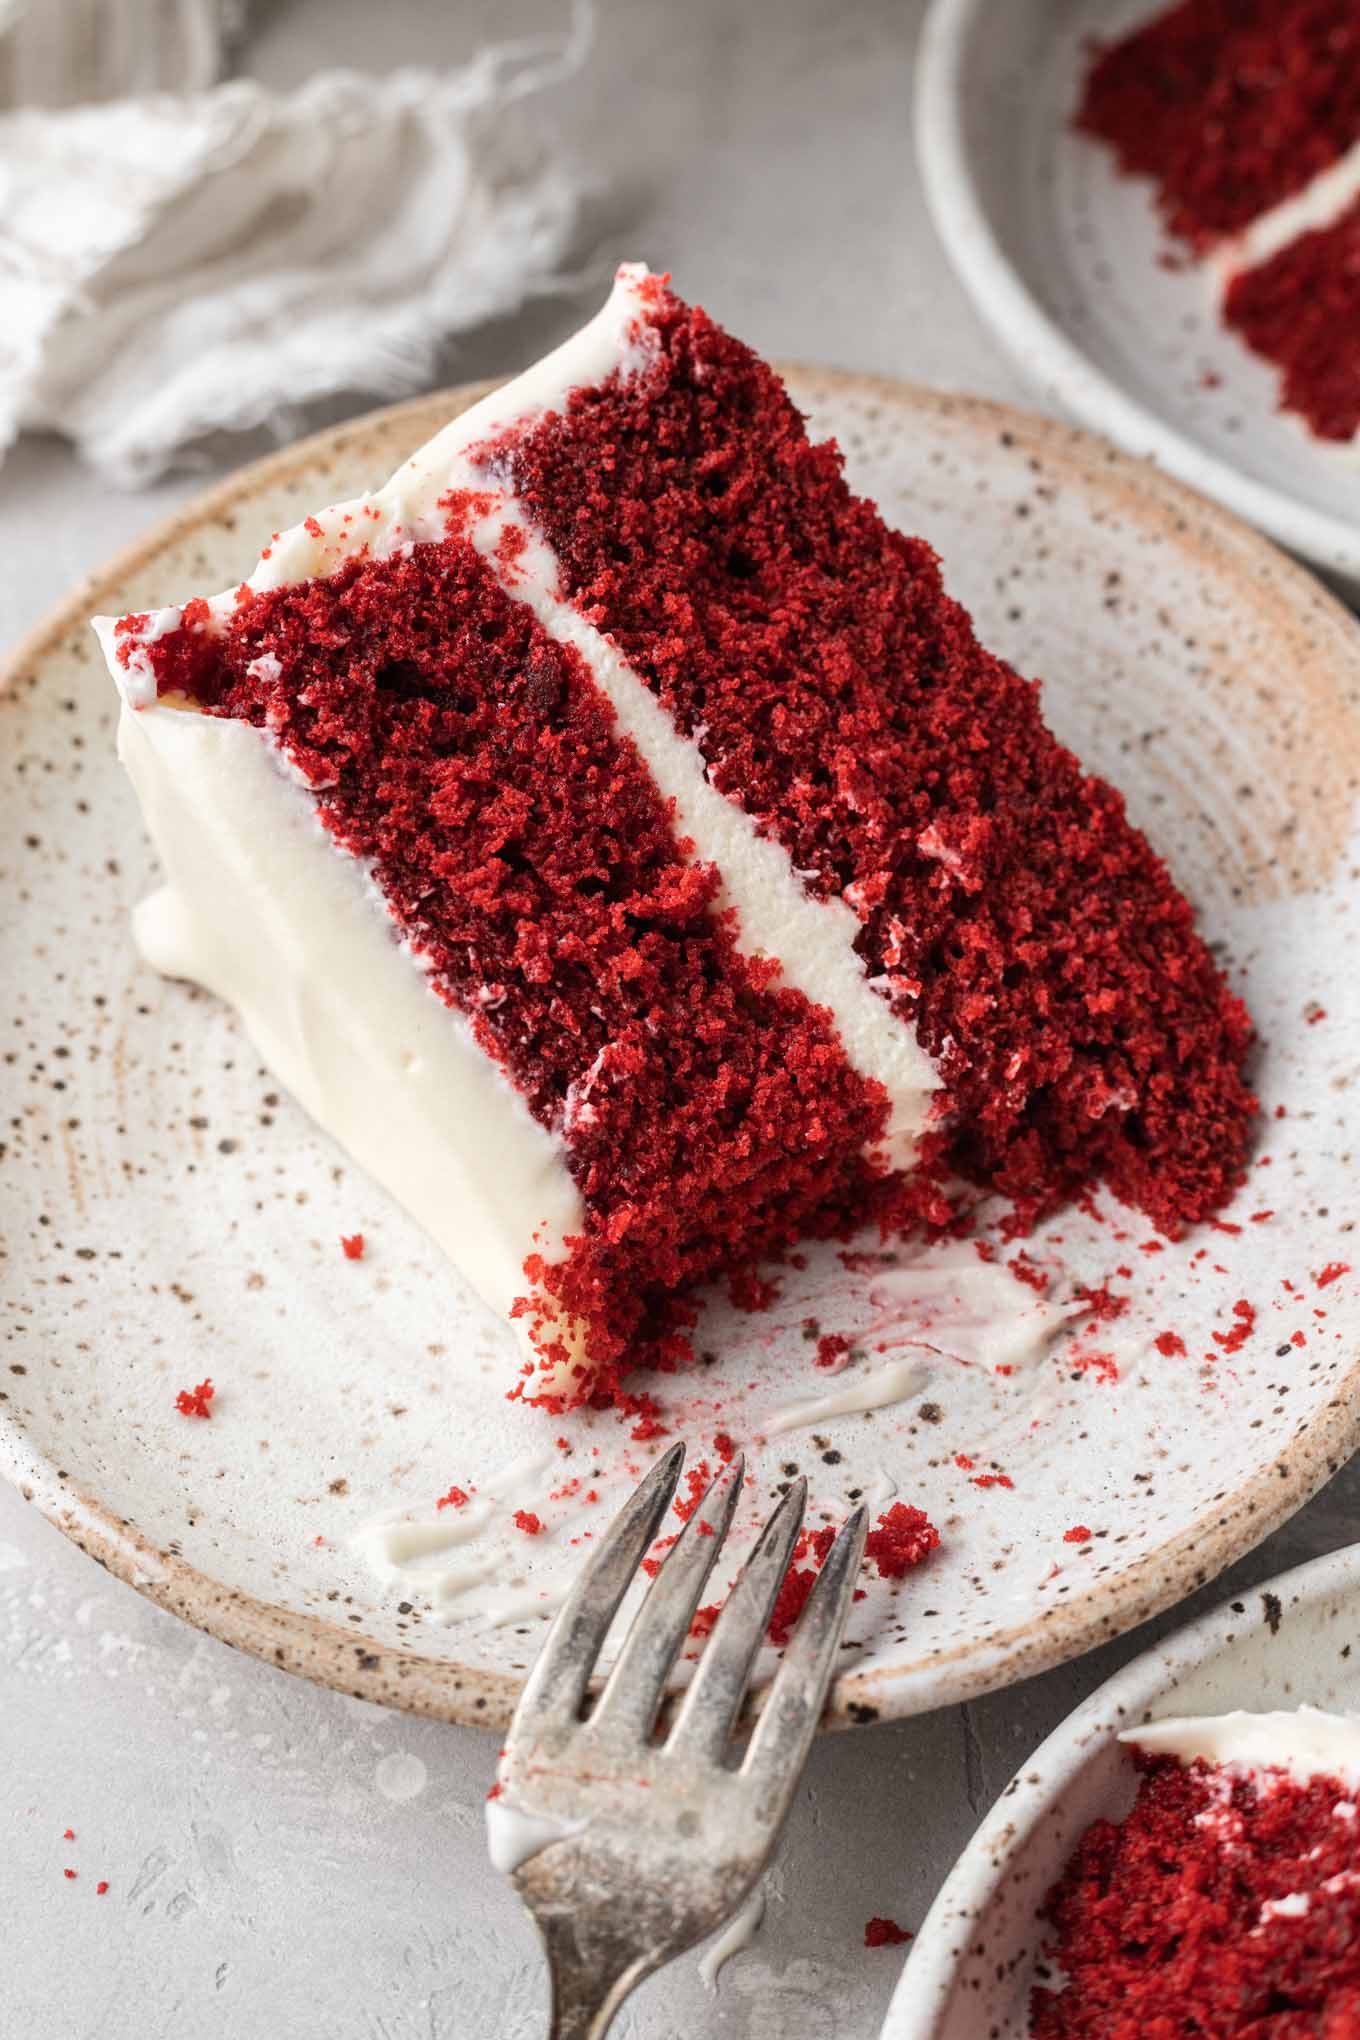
587,1994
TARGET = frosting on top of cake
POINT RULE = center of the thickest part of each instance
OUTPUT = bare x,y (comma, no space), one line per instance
1304,1742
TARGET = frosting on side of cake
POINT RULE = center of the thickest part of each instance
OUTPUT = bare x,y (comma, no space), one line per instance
261,908
1303,1742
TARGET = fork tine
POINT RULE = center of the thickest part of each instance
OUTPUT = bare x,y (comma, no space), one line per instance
556,1686
782,1736
633,1693
704,1723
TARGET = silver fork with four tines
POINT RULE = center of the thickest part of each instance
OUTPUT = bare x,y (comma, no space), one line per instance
631,1847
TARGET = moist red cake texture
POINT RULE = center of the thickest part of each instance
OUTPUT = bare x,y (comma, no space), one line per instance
709,1115
1165,1926
1301,310
1231,105
1009,911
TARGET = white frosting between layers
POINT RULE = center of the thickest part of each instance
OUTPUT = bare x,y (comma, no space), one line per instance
1304,1742
319,997
1321,203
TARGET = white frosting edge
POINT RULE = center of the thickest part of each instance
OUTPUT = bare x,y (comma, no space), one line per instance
1303,1742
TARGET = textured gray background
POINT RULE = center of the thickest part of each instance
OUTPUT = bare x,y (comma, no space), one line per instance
264,1878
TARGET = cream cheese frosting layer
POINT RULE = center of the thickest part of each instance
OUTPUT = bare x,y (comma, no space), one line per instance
1303,1742
262,908
451,480
1321,203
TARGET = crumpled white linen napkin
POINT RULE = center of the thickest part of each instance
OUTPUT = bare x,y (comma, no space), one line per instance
174,266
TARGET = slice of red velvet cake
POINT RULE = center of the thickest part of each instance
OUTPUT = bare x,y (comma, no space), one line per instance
1227,1903
1246,113
615,835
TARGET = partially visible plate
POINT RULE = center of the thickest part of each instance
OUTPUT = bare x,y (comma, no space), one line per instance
170,1215
972,1965
1060,255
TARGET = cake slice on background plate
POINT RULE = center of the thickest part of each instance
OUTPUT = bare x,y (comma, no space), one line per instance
1230,1891
614,835
1246,114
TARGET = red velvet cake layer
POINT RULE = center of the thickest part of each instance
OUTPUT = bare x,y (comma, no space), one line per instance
709,1115
1231,105
1168,1926
1010,912
1301,310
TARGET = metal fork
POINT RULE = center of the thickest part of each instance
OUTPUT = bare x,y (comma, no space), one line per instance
629,1847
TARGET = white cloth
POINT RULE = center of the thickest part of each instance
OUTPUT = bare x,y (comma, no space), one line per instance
174,266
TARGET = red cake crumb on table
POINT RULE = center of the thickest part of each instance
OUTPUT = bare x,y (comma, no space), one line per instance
1176,1907
101,1887
1169,1343
353,1245
884,1933
194,1402
528,1522
1333,1272
1078,1534
456,1498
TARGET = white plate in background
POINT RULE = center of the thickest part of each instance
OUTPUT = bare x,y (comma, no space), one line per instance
972,1966
1060,255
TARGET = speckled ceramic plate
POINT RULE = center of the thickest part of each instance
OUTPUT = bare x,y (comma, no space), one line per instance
170,1215
972,1966
1060,255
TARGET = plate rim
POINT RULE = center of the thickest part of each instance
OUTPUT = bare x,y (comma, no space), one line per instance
1041,347
349,1661
922,1992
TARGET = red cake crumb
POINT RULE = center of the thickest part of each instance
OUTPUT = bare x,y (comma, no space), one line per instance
101,1887
528,1522
353,1246
1231,105
1026,1270
832,1349
1301,311
194,1402
698,1479
68,1834
704,1619
1103,1304
1170,1343
724,1447
1078,1534
903,1537
456,1498
1175,1907
1008,909
883,1933
1234,1340
1333,1272
798,1582
69,1874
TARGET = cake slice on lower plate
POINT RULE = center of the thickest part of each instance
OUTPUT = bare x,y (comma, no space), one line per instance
614,835
1227,1901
